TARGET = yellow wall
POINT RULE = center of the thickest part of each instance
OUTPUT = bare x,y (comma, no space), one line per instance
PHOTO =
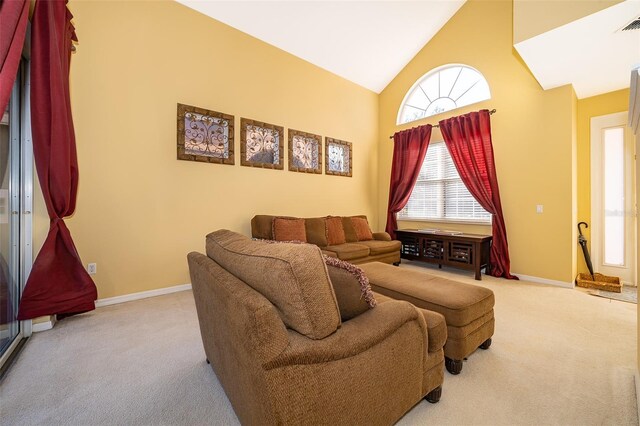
140,211
534,17
533,136
608,103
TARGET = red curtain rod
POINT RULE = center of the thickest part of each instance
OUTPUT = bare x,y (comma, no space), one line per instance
493,111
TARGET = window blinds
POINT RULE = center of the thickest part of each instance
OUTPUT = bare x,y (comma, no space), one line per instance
439,192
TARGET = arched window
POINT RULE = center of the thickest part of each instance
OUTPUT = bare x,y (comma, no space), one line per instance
443,89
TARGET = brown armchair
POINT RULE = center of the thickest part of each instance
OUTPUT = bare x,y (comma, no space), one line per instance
271,330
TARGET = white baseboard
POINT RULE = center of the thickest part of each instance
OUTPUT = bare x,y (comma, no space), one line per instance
141,295
43,326
544,280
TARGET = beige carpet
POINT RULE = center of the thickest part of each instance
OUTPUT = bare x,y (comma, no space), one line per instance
559,357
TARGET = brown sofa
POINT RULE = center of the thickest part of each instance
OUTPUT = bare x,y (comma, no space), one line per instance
272,331
380,249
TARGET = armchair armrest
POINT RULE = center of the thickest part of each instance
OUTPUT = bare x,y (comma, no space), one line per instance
381,236
354,337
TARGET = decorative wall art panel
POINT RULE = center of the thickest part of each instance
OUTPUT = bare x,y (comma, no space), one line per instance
305,152
338,157
261,144
205,135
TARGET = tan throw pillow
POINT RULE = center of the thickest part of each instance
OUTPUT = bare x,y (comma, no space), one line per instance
285,229
362,228
335,231
351,286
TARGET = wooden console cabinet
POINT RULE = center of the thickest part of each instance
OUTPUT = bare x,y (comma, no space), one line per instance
466,251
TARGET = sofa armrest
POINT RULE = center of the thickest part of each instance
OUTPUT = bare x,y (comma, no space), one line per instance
356,336
381,236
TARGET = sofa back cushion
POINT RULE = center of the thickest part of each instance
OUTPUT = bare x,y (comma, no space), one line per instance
262,226
361,226
335,231
316,231
349,230
289,229
292,277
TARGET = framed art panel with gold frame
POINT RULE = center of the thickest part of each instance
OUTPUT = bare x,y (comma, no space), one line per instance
204,135
261,144
305,152
338,157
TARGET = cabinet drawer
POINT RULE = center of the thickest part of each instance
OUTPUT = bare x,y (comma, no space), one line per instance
460,252
433,249
410,245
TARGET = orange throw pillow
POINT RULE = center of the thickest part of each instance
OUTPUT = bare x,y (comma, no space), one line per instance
362,228
289,229
335,231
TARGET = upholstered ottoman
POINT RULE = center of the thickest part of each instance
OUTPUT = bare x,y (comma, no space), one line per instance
467,309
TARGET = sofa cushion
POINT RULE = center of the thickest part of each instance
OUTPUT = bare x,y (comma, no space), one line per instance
351,287
262,226
288,229
349,251
316,231
335,231
381,247
291,276
361,226
349,230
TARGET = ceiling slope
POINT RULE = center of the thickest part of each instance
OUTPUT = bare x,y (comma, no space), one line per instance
591,53
366,42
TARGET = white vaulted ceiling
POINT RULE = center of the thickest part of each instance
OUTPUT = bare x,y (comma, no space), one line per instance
366,42
591,53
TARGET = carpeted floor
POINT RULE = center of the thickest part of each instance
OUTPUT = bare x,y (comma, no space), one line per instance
559,357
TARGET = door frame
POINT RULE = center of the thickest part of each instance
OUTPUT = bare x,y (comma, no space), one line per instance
22,179
598,124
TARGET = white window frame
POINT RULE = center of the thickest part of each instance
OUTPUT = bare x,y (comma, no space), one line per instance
427,76
441,219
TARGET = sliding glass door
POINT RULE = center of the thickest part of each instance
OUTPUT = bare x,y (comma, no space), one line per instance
10,221
16,187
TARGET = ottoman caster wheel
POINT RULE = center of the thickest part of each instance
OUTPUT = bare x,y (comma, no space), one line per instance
434,395
208,361
485,345
454,366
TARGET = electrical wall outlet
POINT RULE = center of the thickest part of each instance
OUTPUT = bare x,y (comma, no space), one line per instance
92,268
539,208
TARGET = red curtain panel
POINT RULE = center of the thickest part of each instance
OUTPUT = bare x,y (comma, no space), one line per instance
409,148
468,138
14,15
58,283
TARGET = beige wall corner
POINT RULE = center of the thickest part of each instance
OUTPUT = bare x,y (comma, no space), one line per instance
574,182
140,210
534,17
533,136
588,108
